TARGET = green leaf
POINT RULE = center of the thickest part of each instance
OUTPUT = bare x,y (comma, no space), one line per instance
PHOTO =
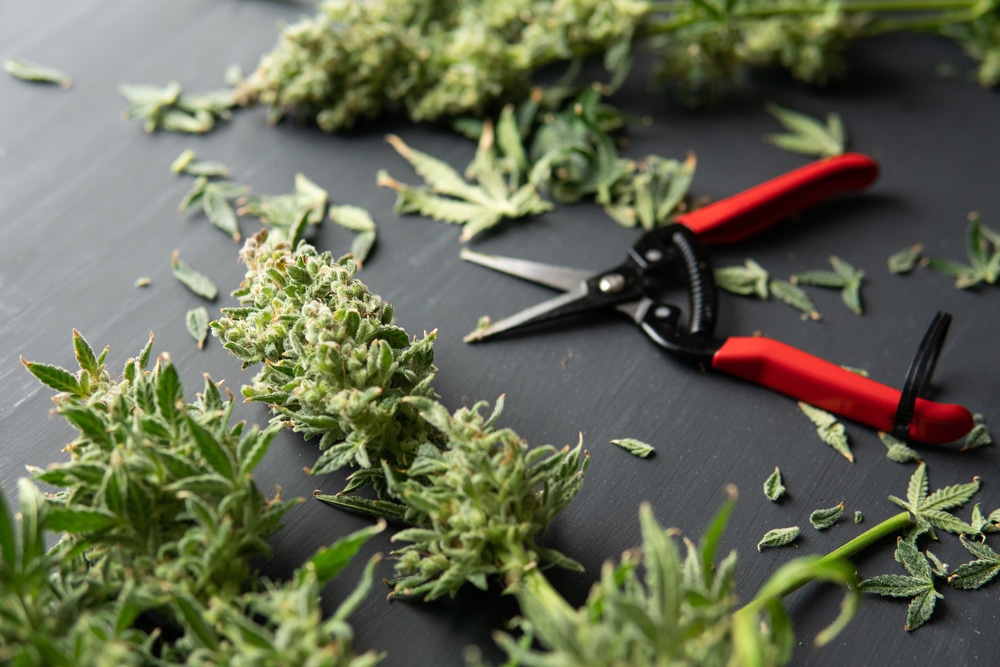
919,585
829,429
220,213
751,278
905,260
897,450
979,436
773,487
635,447
820,279
30,71
824,518
197,324
807,135
795,297
79,519
376,508
54,377
329,561
85,355
195,281
778,537
932,511
195,621
979,572
215,453
354,218
33,510
8,541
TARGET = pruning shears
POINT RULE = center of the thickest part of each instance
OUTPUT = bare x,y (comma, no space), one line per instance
674,256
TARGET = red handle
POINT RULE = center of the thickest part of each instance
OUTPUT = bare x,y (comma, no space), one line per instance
800,375
742,215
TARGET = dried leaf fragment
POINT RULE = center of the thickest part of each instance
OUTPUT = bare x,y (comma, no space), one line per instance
197,320
897,450
979,572
194,280
822,519
778,537
751,278
829,429
26,70
635,447
979,436
903,261
795,297
806,134
919,585
773,486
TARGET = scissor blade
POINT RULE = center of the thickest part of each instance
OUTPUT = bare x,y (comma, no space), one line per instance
572,301
557,277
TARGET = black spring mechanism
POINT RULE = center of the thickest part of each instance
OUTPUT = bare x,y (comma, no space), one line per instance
920,372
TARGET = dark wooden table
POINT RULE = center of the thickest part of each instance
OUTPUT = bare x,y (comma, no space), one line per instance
88,205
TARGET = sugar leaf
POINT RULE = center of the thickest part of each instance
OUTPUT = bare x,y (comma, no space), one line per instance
194,280
30,71
795,297
931,511
635,447
858,516
778,537
829,429
773,486
807,135
824,518
904,260
979,572
919,585
751,278
979,436
897,450
197,324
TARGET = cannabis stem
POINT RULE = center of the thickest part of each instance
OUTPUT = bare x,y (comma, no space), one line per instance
890,526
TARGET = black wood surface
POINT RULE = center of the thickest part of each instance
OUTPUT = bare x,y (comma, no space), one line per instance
88,205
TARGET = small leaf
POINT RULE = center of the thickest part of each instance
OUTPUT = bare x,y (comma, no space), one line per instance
329,561
29,71
824,518
858,516
85,354
979,572
807,135
795,297
213,451
829,429
79,519
635,447
773,487
751,278
979,436
197,324
195,281
904,260
897,450
778,537
54,377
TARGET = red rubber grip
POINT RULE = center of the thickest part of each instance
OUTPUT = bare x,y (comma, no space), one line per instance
744,214
798,374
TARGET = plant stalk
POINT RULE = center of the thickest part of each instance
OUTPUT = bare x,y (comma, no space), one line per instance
890,526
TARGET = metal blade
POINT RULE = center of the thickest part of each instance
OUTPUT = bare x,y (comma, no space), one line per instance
557,277
575,300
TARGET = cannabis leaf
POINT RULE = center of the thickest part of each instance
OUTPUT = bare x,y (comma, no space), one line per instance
29,71
897,450
497,195
904,260
197,324
778,537
985,524
287,215
931,511
635,447
795,297
751,278
983,249
919,585
824,518
807,135
187,163
213,198
979,572
829,429
843,277
165,107
773,487
357,220
193,279
979,436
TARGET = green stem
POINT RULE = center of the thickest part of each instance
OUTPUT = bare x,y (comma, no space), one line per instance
890,526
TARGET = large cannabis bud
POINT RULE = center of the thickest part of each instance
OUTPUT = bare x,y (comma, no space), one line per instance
427,58
336,365
160,518
434,59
